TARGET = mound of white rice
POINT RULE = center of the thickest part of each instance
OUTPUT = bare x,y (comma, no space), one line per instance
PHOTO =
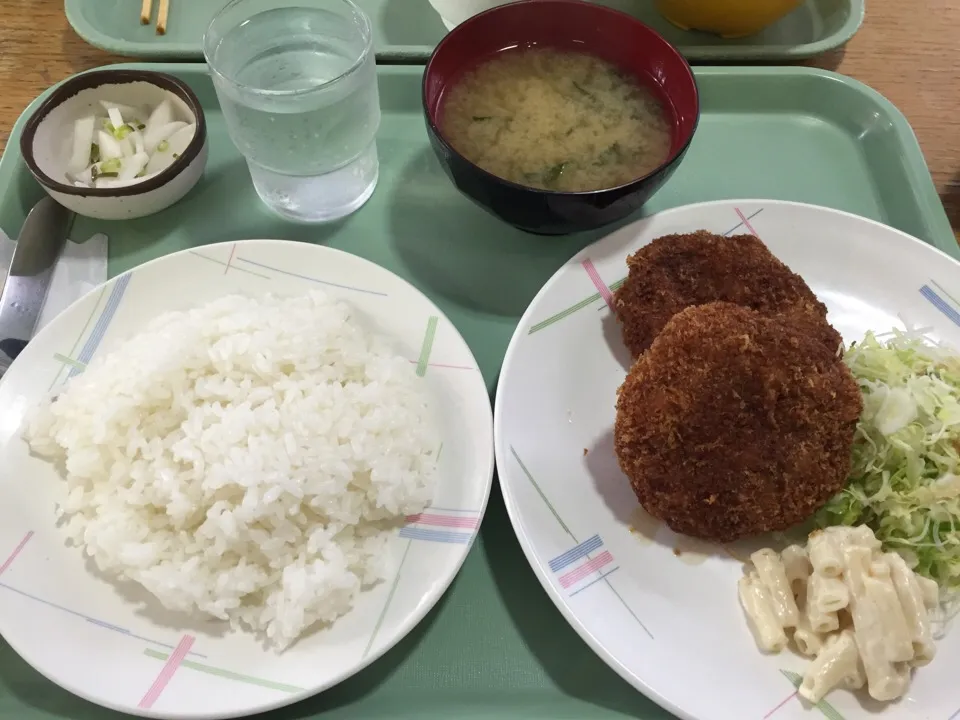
247,459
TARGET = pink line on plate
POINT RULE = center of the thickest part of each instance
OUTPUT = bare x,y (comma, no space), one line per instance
442,365
746,223
770,714
166,674
442,520
575,576
16,551
598,283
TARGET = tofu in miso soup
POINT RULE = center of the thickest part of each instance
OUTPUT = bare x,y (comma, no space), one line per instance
556,120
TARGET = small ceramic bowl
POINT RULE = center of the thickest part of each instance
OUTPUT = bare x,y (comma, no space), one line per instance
568,24
726,18
47,140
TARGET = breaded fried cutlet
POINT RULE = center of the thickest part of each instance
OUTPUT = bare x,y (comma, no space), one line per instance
676,271
734,424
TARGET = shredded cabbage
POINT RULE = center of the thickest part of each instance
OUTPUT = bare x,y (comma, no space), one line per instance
905,478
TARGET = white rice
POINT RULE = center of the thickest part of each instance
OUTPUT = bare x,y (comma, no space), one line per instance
247,459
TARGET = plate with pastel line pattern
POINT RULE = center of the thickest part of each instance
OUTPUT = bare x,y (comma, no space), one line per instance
660,608
116,646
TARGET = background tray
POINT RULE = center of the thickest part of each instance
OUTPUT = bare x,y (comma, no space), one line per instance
495,645
408,30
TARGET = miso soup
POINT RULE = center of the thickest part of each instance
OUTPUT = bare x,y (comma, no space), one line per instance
556,120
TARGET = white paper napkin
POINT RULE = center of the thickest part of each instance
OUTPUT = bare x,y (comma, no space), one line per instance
82,267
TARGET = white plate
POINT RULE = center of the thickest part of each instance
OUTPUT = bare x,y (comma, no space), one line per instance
86,635
662,610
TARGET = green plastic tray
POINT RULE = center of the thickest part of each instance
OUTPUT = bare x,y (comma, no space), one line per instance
495,646
408,30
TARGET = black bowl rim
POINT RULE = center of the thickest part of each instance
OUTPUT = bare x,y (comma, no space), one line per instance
673,157
97,78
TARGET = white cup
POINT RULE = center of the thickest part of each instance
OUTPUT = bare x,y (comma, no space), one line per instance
454,12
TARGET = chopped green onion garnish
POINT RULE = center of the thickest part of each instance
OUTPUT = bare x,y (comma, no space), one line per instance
108,126
582,90
122,132
110,166
163,146
109,174
176,155
140,125
553,174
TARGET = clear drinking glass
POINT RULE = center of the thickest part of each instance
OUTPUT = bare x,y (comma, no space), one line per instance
298,90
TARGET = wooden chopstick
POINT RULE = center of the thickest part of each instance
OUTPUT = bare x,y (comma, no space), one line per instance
146,11
162,16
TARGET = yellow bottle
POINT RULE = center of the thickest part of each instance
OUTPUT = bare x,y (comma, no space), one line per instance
727,18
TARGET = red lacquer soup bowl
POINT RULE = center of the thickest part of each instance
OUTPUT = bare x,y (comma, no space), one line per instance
572,25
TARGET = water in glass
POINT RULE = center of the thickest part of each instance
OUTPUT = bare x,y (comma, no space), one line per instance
298,89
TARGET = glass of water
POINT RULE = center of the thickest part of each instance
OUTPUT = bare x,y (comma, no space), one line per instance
298,88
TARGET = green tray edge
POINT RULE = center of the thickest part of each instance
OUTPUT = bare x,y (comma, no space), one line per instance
940,234
413,54
934,218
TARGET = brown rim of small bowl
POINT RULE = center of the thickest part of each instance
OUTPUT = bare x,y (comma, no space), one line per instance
95,79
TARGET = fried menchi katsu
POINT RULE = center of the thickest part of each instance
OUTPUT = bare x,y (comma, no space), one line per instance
676,271
734,423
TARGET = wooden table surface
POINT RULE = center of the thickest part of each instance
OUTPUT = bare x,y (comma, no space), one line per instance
906,49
